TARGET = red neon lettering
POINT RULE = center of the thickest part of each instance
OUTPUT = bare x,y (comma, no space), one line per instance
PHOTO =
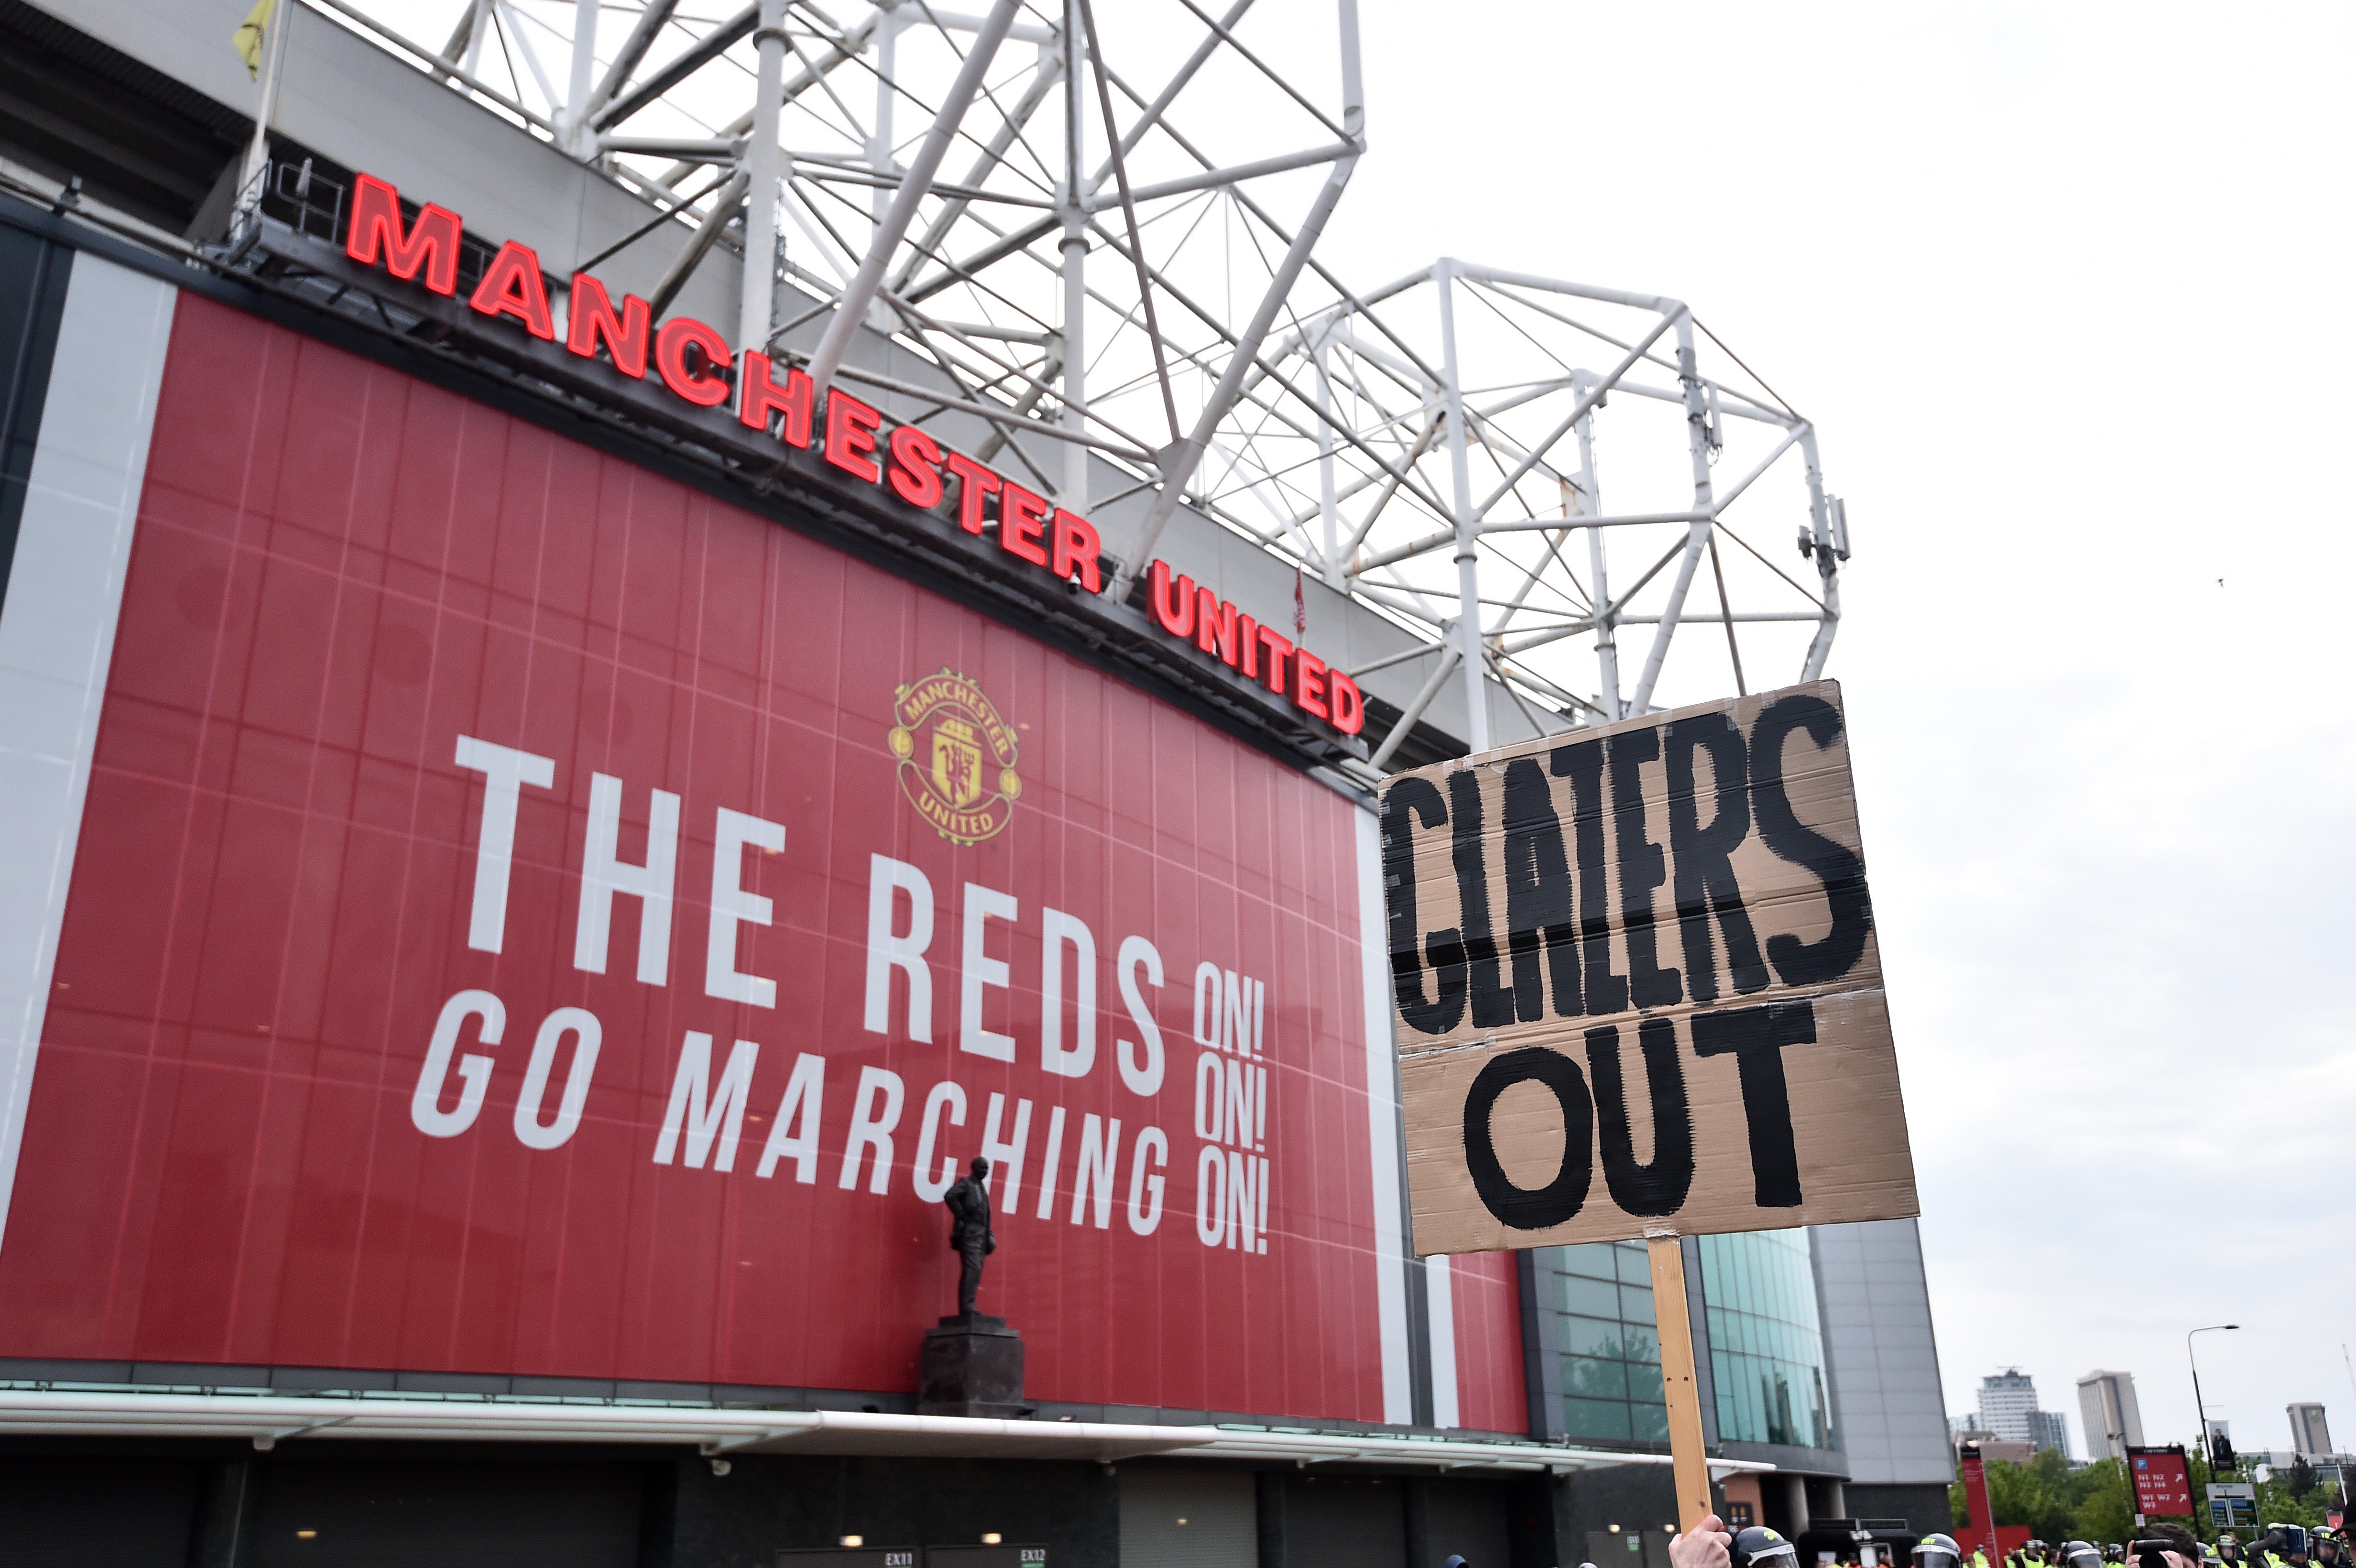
850,427
1173,613
915,467
1248,634
761,395
1349,703
975,485
376,225
1275,649
590,317
513,286
1214,626
704,387
1022,520
1077,546
1308,683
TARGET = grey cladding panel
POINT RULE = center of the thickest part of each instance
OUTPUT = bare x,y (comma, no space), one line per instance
1188,1518
1344,1521
1884,1360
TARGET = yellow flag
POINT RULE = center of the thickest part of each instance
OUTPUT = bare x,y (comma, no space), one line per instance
249,36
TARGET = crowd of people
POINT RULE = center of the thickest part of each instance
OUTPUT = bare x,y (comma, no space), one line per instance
2168,1546
1712,1545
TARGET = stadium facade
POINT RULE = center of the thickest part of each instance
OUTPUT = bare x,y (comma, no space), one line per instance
536,848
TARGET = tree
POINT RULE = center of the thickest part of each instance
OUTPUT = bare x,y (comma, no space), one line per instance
2105,1503
2044,1494
2281,1501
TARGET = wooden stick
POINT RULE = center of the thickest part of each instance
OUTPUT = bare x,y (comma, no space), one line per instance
1675,1330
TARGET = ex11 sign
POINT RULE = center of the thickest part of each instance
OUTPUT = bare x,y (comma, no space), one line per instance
1637,984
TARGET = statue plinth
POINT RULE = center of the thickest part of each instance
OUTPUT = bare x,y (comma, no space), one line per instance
972,1366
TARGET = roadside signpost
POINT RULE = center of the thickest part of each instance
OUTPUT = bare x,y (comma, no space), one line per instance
1976,1499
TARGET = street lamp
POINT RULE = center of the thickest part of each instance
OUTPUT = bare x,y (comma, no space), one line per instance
2206,1452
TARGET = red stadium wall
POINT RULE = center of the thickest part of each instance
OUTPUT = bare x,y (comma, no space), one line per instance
242,1146
1492,1394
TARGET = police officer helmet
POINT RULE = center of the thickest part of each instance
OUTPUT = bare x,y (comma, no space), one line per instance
2080,1554
1938,1551
1760,1547
2288,1539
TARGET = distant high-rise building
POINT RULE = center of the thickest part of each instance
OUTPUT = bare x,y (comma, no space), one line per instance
2008,1409
2106,1404
2307,1432
2005,1401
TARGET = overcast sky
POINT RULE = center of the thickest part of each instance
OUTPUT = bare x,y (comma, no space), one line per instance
2066,289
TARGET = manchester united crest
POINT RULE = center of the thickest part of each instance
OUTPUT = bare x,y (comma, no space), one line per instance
957,757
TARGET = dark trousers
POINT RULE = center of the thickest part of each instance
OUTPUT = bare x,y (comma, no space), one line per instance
970,1256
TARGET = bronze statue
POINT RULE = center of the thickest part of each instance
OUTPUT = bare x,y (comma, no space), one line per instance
970,1233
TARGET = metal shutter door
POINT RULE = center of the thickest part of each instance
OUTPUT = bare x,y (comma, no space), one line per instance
1221,1521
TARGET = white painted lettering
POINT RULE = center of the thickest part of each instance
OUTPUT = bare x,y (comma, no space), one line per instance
1237,1120
694,1108
873,1114
1235,1029
1243,1176
1145,1191
793,1130
732,906
474,1071
504,773
904,951
587,1034
605,873
982,905
1051,1166
1142,1075
1211,1196
1005,1158
1092,1179
1210,1098
1060,930
946,1097
1207,1016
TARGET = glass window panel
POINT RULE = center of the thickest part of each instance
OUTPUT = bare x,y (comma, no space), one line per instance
1766,1338
1649,1423
1593,1260
1591,1336
1593,1379
1591,1296
1635,1268
1596,1418
1645,1383
1635,1304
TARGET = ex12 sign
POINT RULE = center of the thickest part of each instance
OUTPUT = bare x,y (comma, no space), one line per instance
1637,984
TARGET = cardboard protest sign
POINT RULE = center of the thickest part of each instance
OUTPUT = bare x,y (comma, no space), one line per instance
1637,984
